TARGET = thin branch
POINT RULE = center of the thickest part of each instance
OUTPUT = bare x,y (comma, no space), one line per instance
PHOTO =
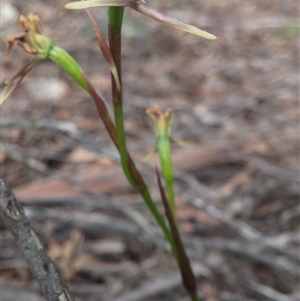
32,249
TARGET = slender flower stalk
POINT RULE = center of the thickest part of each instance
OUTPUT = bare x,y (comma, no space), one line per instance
115,15
162,125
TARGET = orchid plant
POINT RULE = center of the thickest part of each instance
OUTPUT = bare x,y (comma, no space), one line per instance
33,41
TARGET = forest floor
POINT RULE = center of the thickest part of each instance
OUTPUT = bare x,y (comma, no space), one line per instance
235,102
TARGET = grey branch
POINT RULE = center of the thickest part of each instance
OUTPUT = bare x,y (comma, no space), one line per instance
32,249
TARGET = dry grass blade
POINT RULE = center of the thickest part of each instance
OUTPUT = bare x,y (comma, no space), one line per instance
105,50
188,278
157,16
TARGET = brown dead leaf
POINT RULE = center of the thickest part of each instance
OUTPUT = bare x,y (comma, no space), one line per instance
3,156
210,291
82,155
257,146
194,158
15,134
103,83
187,227
185,212
86,123
85,260
240,181
204,218
55,188
69,254
108,247
54,248
65,254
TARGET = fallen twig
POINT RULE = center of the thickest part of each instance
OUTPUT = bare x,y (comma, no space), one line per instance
32,249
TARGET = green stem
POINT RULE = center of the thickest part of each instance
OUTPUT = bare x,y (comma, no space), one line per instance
134,177
187,275
66,61
160,221
115,16
194,297
164,150
115,25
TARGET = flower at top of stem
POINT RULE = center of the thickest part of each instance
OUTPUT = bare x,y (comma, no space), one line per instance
32,41
31,38
161,121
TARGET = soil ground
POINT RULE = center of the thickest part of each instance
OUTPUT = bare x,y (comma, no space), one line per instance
235,102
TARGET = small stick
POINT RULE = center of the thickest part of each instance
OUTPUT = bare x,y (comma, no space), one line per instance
32,249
